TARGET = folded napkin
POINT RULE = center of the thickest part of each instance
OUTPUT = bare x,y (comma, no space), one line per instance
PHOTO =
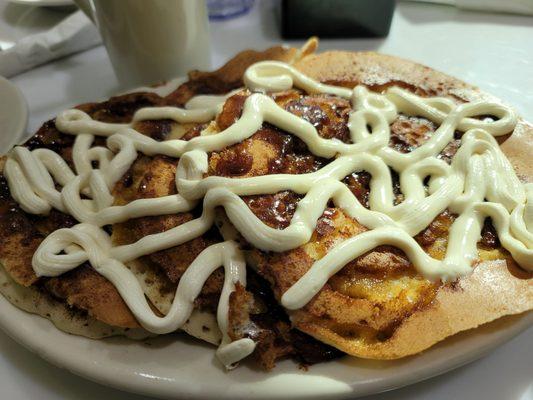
75,33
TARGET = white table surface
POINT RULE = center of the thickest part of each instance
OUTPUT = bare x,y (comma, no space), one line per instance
492,51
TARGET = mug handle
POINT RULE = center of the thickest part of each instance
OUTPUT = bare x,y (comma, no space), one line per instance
87,8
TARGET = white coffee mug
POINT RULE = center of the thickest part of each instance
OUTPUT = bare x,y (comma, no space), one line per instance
151,40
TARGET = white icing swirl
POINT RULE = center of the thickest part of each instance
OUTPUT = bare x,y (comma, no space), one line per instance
479,183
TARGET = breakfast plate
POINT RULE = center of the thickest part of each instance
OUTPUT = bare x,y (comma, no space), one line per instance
13,114
97,250
45,3
178,367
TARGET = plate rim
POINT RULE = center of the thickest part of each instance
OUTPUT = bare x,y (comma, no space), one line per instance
45,3
153,386
19,103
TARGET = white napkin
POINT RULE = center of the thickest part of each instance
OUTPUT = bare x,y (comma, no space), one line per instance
75,33
506,6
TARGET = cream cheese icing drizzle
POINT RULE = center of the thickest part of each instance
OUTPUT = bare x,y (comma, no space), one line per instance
479,183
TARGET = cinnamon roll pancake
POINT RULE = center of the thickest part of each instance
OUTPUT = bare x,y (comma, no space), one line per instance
289,204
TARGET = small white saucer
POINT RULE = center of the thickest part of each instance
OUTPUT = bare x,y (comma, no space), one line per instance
45,3
13,114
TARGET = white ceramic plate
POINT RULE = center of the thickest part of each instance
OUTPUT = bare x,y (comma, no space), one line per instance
45,3
177,366
13,114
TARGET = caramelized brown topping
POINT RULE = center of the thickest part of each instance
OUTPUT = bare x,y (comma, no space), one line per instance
120,109
49,137
275,210
255,314
21,234
437,229
489,236
359,184
408,133
328,114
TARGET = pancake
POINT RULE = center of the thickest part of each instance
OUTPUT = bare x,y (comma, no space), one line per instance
86,292
84,302
68,319
378,305
497,286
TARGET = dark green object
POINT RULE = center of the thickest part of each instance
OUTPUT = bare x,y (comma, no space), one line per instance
336,18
